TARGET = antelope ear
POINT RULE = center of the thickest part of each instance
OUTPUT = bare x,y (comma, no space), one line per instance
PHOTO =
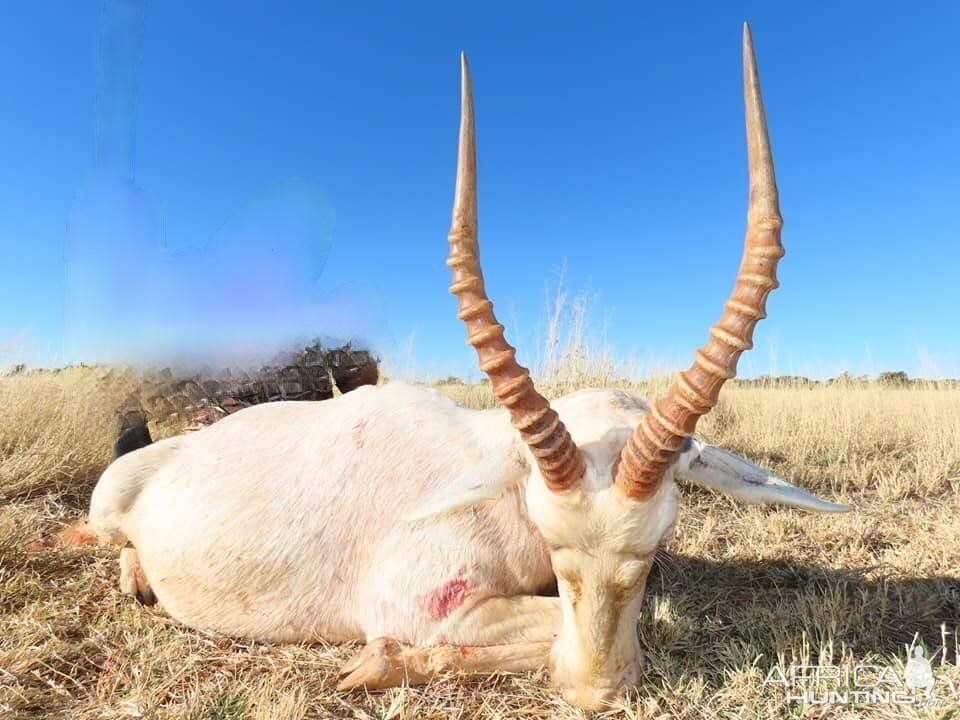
733,475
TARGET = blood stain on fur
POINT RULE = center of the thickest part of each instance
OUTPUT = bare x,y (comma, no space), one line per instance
442,601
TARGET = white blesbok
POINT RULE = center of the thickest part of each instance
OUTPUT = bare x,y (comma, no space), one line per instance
393,516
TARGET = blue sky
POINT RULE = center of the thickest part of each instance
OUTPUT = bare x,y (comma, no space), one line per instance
188,177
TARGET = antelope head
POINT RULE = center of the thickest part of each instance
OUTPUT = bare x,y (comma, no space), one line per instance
604,502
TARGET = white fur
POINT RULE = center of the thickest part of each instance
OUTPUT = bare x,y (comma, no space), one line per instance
602,544
287,521
393,512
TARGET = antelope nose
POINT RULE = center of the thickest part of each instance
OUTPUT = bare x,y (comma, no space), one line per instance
590,697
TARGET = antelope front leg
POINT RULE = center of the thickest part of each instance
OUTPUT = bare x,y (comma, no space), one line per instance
385,663
497,635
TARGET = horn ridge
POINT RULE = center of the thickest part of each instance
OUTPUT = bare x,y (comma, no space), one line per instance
659,437
559,460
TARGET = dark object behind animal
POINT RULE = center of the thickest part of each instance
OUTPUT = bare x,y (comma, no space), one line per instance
131,438
174,401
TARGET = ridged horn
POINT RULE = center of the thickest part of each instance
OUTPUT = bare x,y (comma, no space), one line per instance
558,457
659,436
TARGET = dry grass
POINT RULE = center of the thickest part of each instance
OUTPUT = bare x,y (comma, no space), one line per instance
57,430
738,590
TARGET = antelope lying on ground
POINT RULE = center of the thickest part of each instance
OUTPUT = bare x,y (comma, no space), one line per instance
393,516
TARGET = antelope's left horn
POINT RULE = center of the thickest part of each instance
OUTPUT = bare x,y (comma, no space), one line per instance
557,456
659,436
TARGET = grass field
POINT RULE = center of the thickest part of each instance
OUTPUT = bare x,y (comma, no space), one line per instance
739,590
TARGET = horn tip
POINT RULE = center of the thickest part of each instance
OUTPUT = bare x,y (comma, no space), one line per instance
749,57
464,73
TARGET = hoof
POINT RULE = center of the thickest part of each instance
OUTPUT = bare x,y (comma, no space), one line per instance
133,582
377,666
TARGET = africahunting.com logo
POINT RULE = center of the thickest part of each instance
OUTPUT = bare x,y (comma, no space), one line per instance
859,684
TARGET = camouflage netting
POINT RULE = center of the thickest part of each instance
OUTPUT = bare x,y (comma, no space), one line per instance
169,402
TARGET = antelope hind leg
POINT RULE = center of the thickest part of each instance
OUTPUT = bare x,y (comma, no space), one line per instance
385,663
132,580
